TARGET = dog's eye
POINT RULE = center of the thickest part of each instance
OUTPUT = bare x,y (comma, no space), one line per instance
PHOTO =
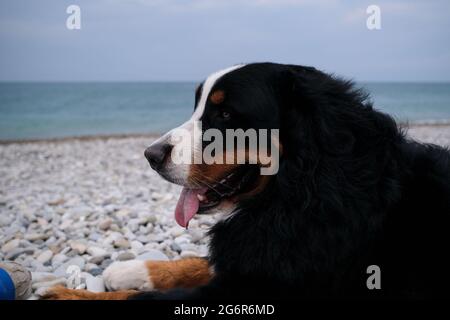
225,115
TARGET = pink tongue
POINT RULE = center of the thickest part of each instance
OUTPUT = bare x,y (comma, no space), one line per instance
187,206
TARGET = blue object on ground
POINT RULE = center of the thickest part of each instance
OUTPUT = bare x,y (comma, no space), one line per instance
7,289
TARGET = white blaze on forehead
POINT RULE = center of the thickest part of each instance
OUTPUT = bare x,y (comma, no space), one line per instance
180,172
207,86
194,124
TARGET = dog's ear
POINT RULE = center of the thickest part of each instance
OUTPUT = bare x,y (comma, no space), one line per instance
296,103
297,88
308,117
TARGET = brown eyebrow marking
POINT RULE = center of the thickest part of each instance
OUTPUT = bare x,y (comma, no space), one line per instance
217,96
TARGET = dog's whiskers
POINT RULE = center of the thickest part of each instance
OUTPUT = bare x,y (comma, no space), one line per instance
209,186
214,181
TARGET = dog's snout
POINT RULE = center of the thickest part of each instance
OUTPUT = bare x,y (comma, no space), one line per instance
157,153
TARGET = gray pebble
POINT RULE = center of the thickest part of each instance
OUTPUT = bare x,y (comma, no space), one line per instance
98,259
36,236
12,244
48,284
45,257
143,239
189,254
58,259
95,284
72,253
4,220
121,243
95,271
125,256
105,224
175,247
79,247
95,236
106,263
42,276
96,251
14,253
183,239
153,254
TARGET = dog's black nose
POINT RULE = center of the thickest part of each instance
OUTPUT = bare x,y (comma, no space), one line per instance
157,153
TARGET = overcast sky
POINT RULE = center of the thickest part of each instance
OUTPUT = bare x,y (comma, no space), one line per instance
140,40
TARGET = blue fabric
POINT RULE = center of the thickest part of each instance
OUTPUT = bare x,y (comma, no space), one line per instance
7,289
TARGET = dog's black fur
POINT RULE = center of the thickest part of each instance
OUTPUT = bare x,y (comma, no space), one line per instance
351,191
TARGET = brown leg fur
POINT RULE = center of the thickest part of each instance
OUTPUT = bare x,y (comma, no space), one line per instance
165,275
184,273
61,293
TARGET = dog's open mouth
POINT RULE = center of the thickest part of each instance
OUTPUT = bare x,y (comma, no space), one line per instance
202,200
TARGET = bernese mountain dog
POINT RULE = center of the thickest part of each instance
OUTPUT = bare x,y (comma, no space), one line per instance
352,194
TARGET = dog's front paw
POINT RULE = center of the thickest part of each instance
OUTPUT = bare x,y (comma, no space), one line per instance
128,275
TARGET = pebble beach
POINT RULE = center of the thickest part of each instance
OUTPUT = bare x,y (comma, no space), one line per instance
91,202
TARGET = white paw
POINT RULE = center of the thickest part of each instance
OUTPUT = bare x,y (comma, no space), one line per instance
128,275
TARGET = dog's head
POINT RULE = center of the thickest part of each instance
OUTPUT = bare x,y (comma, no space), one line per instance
274,109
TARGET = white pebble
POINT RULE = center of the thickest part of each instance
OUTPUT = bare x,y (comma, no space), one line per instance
96,251
153,255
51,283
10,245
78,247
95,284
42,276
45,256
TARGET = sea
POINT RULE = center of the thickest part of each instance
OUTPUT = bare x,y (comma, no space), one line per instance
57,110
